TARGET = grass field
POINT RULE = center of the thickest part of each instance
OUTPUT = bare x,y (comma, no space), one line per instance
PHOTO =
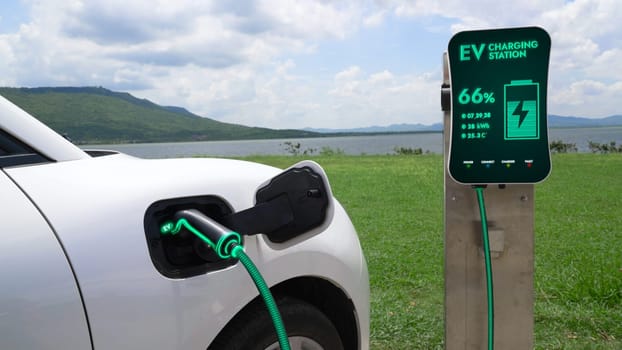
396,204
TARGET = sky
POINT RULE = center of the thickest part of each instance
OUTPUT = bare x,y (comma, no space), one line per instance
303,63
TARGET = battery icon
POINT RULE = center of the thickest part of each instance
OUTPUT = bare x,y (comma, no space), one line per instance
521,117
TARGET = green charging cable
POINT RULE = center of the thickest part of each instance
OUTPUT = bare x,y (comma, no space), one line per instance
489,290
229,246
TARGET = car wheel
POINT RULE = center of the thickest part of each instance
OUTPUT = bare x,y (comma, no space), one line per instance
307,328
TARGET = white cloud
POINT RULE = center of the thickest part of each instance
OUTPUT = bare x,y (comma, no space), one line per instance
284,67
603,64
382,98
312,19
382,77
375,19
587,97
349,74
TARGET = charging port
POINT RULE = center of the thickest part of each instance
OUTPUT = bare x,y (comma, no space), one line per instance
183,255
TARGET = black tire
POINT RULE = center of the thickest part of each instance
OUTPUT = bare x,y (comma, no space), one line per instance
307,327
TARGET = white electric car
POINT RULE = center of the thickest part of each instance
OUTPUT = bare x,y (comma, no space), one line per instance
83,264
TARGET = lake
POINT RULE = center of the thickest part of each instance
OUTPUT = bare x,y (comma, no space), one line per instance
352,145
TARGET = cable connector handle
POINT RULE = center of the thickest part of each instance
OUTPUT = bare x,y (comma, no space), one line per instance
219,237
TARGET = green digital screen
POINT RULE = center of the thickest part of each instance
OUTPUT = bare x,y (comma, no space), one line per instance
498,81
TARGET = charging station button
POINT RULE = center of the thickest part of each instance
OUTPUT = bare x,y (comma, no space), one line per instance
508,162
488,163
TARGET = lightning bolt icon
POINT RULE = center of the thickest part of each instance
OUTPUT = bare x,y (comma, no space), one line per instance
520,112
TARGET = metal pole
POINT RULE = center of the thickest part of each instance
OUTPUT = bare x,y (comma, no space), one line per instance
511,227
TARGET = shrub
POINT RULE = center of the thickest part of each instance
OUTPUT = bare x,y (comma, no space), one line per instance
408,151
328,151
295,150
596,147
558,146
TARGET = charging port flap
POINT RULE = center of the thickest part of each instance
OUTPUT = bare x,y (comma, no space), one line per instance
290,204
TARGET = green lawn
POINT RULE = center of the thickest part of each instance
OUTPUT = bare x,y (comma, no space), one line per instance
396,204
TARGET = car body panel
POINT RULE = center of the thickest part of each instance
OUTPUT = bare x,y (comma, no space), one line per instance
127,300
40,304
74,233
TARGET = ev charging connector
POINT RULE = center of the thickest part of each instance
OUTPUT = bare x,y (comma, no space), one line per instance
221,239
228,245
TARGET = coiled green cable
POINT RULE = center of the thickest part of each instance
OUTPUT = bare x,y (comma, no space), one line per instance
239,253
229,246
486,245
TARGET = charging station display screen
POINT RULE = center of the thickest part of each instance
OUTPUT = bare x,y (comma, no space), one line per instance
498,102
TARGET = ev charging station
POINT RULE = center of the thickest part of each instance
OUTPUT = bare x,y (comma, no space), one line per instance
496,142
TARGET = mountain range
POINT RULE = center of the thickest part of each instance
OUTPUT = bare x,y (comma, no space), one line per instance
98,115
554,121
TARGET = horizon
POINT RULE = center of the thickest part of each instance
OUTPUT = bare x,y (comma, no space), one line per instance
390,128
300,64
